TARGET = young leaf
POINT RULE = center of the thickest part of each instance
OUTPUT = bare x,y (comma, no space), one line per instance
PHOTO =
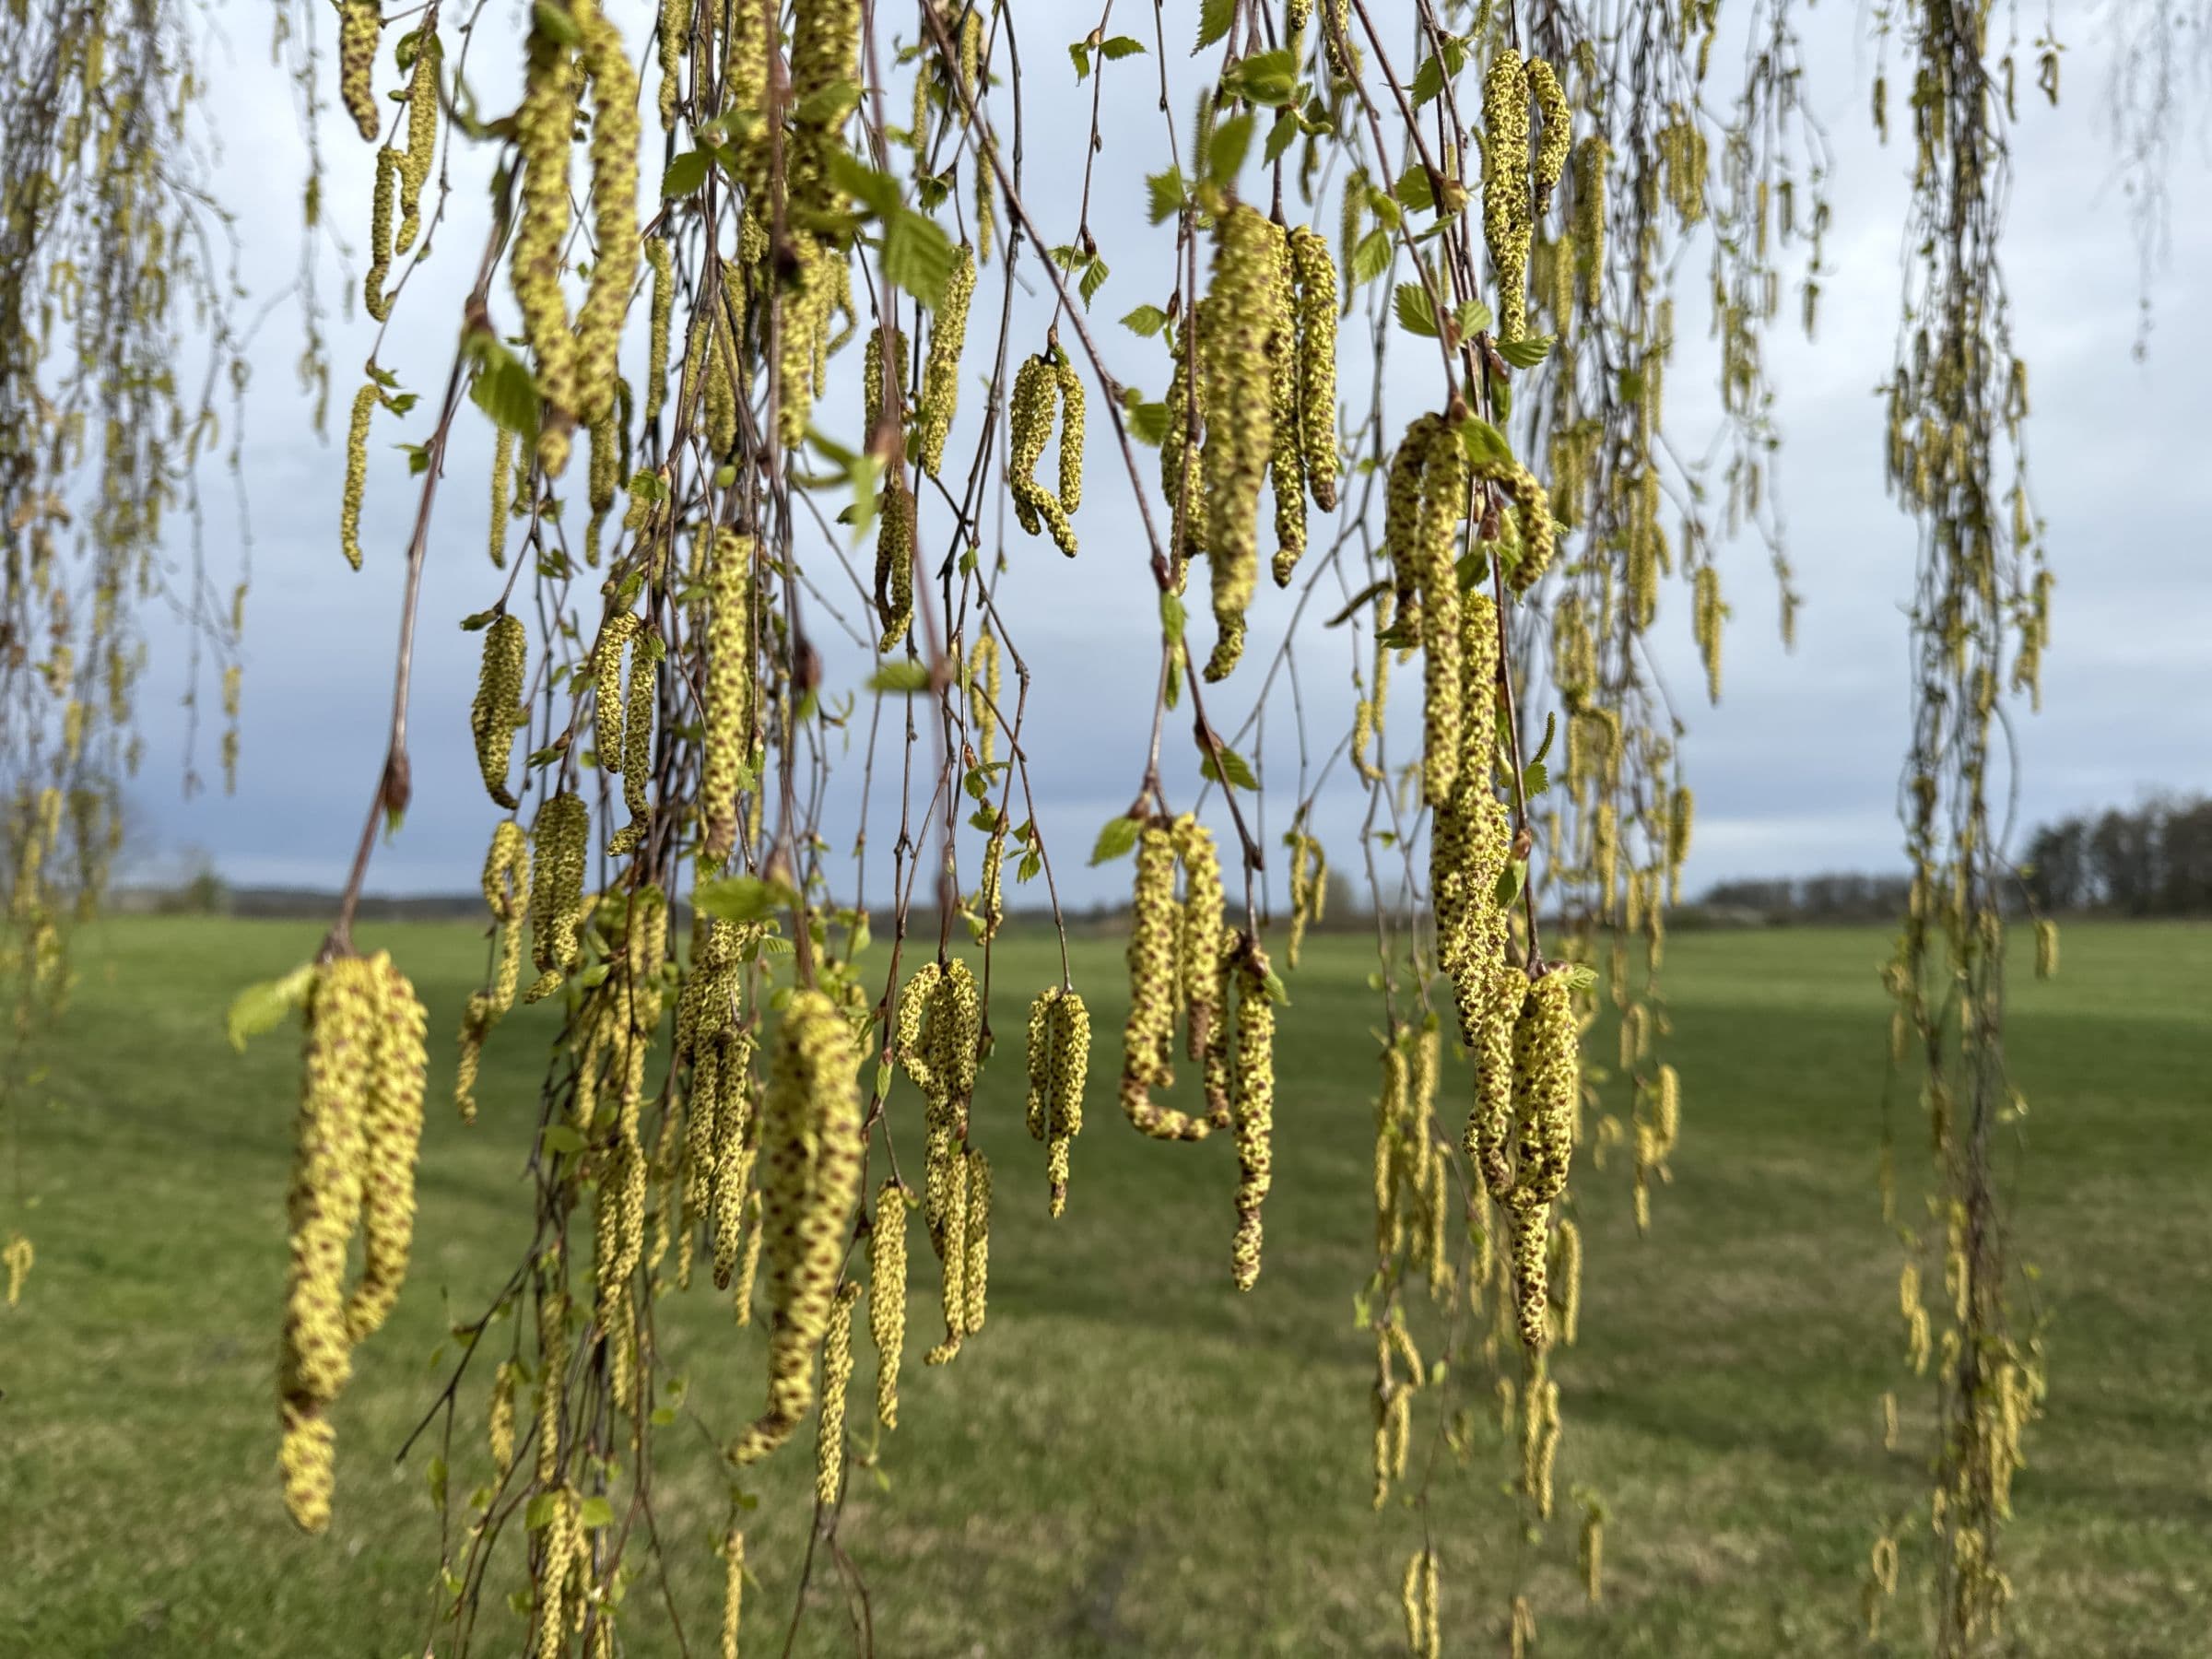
1145,321
1238,771
1115,838
1416,315
903,677
262,1006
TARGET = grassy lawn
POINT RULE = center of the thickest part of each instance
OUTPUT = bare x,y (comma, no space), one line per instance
1133,1460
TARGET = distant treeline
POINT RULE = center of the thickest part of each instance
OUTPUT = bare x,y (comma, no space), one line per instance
2152,860
2155,860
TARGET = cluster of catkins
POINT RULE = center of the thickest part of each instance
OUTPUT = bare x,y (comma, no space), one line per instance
937,1041
1259,403
1184,961
360,1125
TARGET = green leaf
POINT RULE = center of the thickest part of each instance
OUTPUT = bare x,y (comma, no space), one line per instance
1535,778
1416,315
1167,195
555,23
1427,83
1213,18
1281,136
1233,141
545,1505
1237,769
262,1007
1510,880
900,679
742,898
1172,615
1078,52
1473,317
1370,256
1485,445
1413,188
828,106
1526,352
561,1137
1148,422
1093,279
503,388
596,1513
685,175
1119,47
1115,838
918,257
1145,321
1265,78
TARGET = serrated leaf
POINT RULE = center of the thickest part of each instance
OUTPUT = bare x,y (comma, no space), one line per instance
1115,838
1535,778
596,1513
918,257
1510,880
1416,315
1145,321
1485,444
1526,352
1266,77
1232,767
262,1006
1472,316
1413,188
1148,423
1233,142
1172,615
1165,194
900,679
561,1137
503,388
685,175
1213,18
1428,81
1280,137
1093,279
1119,47
1078,52
742,898
1370,256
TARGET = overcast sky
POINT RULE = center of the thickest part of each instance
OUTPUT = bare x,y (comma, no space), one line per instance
1797,768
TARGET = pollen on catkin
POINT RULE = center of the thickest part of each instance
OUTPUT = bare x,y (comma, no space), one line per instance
360,22
941,368
837,1376
1436,577
1155,925
1202,929
1315,277
1059,1066
1255,1106
1508,220
374,300
392,1137
811,1138
615,236
503,493
975,1278
498,710
561,841
730,689
356,471
1233,353
422,137
894,551
545,128
1558,136
887,1296
1286,460
1029,420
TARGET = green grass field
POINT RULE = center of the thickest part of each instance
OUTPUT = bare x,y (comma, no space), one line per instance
1133,1460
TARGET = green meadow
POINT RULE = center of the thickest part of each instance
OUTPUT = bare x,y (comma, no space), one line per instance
1132,1459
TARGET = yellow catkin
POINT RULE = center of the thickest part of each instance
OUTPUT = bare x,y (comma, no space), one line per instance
1286,459
1316,275
1254,1098
357,472
1182,462
422,138
729,716
1547,1086
561,848
733,1590
1567,1278
1202,931
1508,220
673,40
1155,923
500,1419
2046,949
17,1257
391,1135
1029,421
837,1376
503,493
1592,1551
1436,577
563,1542
359,24
895,551
506,885
1072,428
498,709
545,128
1590,159
662,263
615,635
615,236
1233,348
1558,135
374,300
887,1296
941,369
811,1138
975,1278
343,1032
